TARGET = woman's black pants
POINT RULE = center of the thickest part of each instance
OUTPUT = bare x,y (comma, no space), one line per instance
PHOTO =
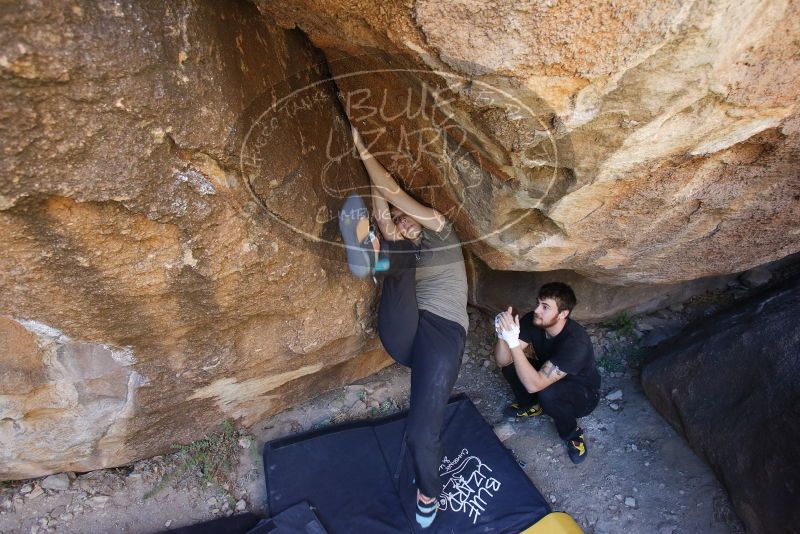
432,347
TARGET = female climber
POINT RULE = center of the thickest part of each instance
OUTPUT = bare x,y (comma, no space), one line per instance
422,315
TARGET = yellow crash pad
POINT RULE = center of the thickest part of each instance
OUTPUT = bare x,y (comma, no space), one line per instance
554,523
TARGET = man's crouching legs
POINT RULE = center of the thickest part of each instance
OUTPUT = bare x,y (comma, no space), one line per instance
565,402
524,404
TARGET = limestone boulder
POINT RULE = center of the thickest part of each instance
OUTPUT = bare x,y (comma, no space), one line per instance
169,257
497,290
729,385
632,142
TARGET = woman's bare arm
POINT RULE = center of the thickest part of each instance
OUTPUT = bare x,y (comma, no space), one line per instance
383,216
390,191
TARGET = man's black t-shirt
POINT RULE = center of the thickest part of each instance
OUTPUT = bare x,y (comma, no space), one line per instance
571,350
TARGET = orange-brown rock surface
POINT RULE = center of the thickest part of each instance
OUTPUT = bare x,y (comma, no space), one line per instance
147,295
631,142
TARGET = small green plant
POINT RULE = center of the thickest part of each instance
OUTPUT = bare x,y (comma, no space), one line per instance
620,323
212,458
633,356
383,409
620,357
340,417
322,424
610,364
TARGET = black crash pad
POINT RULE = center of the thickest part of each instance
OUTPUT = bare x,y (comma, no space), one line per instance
358,477
296,519
237,524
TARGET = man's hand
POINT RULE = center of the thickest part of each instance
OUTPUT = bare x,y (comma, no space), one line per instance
508,328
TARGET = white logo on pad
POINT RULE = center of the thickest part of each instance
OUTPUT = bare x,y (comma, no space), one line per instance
470,486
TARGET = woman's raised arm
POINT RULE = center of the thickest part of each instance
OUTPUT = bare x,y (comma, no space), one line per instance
390,191
383,216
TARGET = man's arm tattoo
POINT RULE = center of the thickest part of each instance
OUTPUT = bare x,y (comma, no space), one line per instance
551,370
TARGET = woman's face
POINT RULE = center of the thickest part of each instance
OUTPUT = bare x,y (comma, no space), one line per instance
408,227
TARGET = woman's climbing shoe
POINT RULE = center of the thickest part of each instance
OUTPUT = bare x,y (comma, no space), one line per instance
358,238
426,512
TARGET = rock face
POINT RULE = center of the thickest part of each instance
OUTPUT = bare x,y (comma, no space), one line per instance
496,290
729,385
628,142
147,291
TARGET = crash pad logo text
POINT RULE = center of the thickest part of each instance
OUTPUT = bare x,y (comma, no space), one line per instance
470,486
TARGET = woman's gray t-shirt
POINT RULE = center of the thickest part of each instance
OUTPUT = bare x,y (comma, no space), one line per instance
441,277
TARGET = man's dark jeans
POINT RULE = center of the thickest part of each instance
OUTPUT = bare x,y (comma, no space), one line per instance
564,401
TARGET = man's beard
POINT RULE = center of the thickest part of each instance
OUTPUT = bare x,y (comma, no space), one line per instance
541,324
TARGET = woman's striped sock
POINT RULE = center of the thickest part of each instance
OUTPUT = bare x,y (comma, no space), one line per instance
426,512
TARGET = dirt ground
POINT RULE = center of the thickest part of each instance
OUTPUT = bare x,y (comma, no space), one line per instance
639,477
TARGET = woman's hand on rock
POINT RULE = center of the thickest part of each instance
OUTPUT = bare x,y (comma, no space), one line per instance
359,142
